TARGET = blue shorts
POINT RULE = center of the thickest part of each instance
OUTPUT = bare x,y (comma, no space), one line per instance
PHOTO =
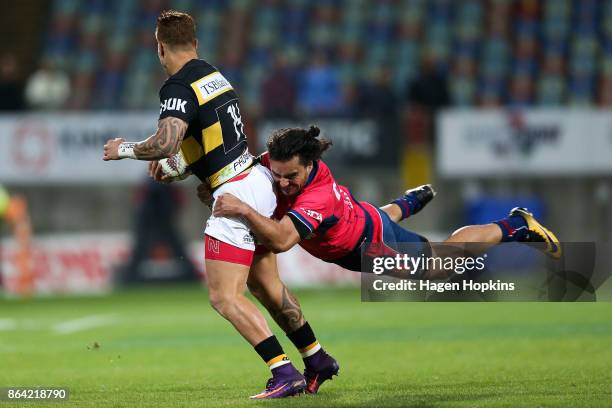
382,236
393,236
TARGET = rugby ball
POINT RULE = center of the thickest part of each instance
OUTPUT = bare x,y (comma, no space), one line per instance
175,167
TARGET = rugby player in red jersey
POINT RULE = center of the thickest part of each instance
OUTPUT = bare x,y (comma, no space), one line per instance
329,223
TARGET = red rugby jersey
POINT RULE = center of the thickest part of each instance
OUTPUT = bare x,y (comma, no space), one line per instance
334,222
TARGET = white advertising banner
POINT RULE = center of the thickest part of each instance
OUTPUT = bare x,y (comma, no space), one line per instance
85,263
66,263
525,143
362,141
67,148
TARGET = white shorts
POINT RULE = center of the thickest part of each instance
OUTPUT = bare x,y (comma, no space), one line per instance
256,189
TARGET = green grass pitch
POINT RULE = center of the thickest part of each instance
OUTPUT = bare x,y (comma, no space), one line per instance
165,347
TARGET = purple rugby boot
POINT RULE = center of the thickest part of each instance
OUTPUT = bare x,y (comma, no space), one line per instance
320,367
286,381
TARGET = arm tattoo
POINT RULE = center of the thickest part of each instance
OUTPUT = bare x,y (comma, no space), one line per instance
164,143
289,316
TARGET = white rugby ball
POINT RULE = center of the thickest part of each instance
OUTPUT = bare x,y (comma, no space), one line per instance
175,167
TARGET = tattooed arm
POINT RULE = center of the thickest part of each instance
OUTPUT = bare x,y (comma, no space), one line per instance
164,143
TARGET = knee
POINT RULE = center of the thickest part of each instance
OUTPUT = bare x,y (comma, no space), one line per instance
264,293
222,302
256,289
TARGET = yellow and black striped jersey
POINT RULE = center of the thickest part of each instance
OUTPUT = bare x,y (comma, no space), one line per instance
214,147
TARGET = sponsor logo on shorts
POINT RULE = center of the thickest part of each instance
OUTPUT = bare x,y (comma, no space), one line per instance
313,214
213,245
249,238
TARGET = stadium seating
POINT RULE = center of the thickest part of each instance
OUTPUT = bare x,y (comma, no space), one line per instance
514,52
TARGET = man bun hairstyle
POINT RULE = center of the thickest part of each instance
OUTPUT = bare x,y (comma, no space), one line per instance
175,28
286,143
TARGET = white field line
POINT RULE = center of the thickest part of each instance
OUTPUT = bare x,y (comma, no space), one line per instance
8,324
84,323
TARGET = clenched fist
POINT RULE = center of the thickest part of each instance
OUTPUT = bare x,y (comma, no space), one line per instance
111,149
227,205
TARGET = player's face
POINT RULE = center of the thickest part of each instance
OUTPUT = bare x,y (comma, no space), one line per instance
290,176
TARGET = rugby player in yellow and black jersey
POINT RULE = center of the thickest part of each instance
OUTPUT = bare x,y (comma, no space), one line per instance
200,120
214,145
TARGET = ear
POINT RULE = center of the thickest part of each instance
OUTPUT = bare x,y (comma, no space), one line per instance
162,50
195,44
309,166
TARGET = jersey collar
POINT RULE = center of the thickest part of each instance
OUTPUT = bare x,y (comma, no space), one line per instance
184,67
313,172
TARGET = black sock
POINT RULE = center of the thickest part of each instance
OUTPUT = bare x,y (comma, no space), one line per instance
272,352
305,341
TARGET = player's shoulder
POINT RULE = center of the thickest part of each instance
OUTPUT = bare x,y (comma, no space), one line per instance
319,192
191,72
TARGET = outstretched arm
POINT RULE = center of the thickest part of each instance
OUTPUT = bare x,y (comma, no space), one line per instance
278,236
164,143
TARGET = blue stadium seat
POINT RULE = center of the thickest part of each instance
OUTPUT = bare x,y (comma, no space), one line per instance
395,31
606,65
550,90
463,91
66,7
581,91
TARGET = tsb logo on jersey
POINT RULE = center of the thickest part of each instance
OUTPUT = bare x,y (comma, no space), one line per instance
173,104
210,87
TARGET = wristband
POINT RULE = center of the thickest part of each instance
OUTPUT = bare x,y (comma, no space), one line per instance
126,150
